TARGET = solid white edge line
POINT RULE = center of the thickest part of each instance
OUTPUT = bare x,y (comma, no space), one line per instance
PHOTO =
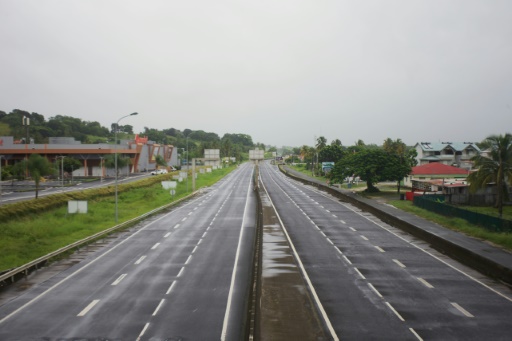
235,265
88,308
305,274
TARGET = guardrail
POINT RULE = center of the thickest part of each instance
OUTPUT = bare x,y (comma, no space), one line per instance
25,269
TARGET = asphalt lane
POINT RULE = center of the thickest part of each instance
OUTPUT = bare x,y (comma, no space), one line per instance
182,275
377,283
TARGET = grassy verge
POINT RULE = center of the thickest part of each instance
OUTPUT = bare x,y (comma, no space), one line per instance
457,224
30,237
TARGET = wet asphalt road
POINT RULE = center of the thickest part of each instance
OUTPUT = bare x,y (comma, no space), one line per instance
182,275
377,283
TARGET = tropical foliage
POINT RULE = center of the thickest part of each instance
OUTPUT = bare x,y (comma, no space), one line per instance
494,167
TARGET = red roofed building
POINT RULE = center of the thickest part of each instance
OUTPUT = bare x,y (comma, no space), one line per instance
435,171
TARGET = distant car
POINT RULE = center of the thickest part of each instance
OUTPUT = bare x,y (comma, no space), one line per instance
159,171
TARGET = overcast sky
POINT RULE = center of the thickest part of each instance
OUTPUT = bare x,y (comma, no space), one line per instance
282,71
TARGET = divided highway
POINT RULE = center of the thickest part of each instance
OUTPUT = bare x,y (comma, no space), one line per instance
187,275
184,275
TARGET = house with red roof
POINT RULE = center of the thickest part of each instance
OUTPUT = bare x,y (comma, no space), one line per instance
421,175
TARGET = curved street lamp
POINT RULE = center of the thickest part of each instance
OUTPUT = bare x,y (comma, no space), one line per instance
115,154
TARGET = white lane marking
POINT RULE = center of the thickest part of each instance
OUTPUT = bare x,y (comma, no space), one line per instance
190,213
89,307
176,226
338,249
348,261
155,246
170,288
335,216
330,241
462,310
415,334
359,272
425,283
204,234
167,234
364,237
353,229
396,312
119,279
181,272
195,248
200,241
399,263
342,221
380,249
323,234
188,259
158,307
140,260
143,331
184,219
235,265
375,290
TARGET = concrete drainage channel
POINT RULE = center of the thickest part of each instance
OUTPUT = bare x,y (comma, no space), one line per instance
283,308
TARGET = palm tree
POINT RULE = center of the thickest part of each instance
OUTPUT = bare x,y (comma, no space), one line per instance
494,168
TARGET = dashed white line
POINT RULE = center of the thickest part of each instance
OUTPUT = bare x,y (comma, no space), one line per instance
359,272
140,260
89,307
143,331
167,234
204,234
181,272
155,246
353,229
184,219
170,288
396,312
415,334
119,279
348,261
364,237
399,263
194,250
462,310
380,249
375,290
188,259
176,226
330,241
342,221
425,283
158,307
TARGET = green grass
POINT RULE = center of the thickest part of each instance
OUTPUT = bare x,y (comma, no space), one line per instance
457,224
25,239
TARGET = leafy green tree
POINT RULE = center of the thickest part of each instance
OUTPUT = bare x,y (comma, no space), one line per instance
336,142
494,168
18,170
331,153
38,166
406,158
71,164
122,161
372,165
321,142
160,161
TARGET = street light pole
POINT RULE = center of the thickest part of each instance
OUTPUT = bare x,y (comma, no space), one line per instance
187,165
115,156
62,170
101,168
